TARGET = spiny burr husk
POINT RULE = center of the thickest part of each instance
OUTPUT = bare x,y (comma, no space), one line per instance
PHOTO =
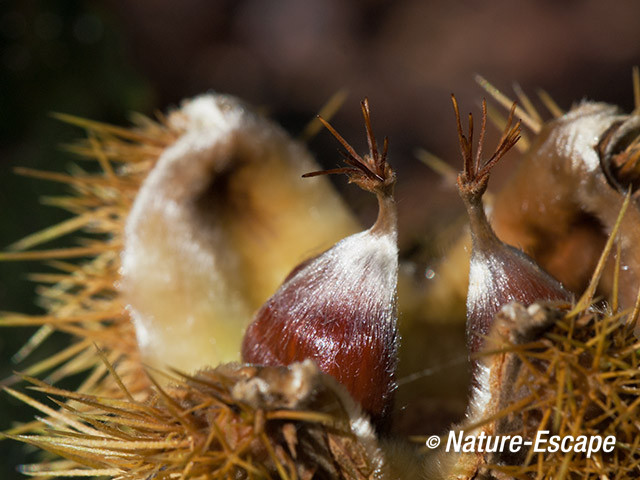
567,371
215,228
82,298
339,308
233,421
555,359
572,374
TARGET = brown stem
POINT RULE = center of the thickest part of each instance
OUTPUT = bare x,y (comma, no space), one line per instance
481,231
387,220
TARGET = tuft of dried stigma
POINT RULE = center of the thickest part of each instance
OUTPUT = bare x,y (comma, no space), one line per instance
371,172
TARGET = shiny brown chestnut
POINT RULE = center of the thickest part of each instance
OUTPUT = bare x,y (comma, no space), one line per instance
339,308
499,273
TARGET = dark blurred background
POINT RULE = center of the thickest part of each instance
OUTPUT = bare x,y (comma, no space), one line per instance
105,59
